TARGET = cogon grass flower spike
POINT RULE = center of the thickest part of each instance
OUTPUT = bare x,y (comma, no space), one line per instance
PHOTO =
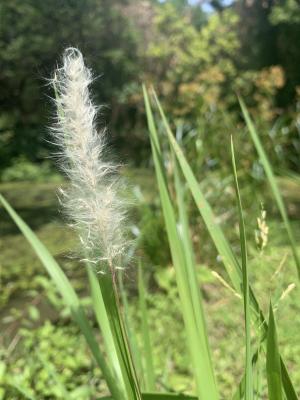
92,201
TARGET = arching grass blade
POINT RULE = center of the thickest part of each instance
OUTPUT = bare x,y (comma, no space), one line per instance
197,343
248,369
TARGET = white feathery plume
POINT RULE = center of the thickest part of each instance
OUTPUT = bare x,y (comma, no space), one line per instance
92,202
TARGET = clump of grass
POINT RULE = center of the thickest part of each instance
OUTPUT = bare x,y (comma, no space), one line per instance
97,212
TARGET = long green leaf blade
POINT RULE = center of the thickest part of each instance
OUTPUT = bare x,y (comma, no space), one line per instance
111,301
185,236
104,325
273,361
248,372
205,381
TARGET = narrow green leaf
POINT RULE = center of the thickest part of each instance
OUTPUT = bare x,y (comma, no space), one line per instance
133,342
247,315
287,383
191,274
149,371
204,376
273,361
104,325
272,182
111,302
69,296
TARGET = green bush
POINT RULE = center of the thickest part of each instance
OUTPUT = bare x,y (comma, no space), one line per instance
24,170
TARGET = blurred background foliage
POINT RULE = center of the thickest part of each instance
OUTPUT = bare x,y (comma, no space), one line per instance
198,55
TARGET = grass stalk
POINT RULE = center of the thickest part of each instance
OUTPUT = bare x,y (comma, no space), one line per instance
109,292
246,298
104,325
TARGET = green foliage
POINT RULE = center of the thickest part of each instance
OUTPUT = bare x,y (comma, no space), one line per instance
187,68
229,259
153,235
196,60
32,36
171,359
20,273
61,350
24,170
285,17
286,12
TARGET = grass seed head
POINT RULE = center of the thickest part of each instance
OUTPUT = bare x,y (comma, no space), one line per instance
92,202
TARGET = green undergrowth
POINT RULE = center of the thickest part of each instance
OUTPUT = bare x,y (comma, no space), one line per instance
46,324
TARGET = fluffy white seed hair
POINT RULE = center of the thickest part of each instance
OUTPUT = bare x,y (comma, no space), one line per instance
92,201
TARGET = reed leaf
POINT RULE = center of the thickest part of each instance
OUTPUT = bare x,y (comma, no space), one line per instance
196,340
110,297
104,325
247,314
